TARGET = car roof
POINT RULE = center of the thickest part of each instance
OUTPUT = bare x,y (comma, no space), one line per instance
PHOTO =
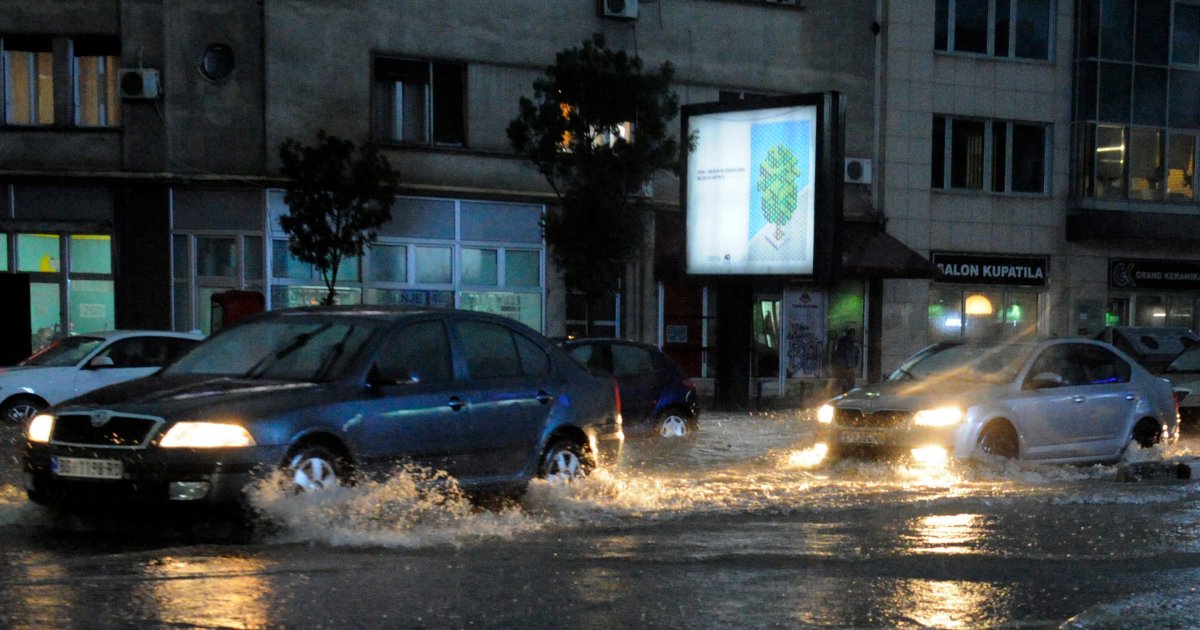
581,341
110,335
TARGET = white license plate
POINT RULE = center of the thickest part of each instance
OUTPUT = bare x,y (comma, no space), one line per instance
86,468
860,437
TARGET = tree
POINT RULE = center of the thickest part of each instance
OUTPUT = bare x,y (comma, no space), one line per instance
338,195
577,131
777,183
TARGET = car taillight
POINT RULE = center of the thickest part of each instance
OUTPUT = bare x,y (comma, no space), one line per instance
1179,395
687,382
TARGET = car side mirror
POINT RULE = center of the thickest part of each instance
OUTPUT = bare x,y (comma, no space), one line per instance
100,362
1046,380
399,377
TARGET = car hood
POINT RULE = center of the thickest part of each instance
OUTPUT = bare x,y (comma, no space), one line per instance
20,373
201,396
922,394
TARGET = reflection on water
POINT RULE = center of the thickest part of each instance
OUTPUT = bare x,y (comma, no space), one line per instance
212,592
948,534
945,604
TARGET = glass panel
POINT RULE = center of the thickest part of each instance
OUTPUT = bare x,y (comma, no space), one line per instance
91,253
1181,167
91,305
479,266
522,268
1085,86
1110,162
966,154
411,297
1087,29
1180,310
37,252
411,115
945,313
285,265
87,91
523,307
489,350
1149,96
389,263
1115,85
1184,106
1029,158
1150,310
44,317
938,159
983,315
1186,40
1153,31
971,25
17,87
1020,312
434,265
999,154
1033,29
420,351
1145,164
181,256
287,296
941,33
216,257
534,360
1003,30
183,307
631,360
1116,29
253,255
448,91
3,251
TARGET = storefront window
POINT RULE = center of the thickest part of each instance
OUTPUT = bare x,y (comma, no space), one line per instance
522,268
3,252
37,253
45,313
479,266
1150,310
434,265
389,263
91,253
961,312
523,307
91,305
216,257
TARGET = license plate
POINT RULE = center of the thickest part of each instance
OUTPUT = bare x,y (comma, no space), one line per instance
860,437
86,468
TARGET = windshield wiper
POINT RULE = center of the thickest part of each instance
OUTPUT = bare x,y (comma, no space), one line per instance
300,341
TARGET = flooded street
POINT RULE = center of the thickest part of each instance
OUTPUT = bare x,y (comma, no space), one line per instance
736,527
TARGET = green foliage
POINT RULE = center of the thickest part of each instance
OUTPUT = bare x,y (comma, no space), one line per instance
570,130
338,195
777,182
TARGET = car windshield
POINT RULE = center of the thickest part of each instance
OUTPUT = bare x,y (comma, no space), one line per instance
278,349
966,361
1187,361
63,353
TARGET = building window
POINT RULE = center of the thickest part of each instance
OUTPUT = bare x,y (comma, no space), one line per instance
28,81
999,28
94,75
420,102
958,312
207,264
994,156
71,282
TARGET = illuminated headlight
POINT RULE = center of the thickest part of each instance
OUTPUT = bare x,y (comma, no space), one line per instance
206,435
825,414
942,417
40,428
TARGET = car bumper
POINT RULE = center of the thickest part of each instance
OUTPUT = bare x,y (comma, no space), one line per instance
898,440
148,476
606,445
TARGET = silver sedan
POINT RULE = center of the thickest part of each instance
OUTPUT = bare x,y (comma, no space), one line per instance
1053,400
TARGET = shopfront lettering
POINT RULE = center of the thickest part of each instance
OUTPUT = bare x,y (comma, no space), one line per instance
1175,275
981,269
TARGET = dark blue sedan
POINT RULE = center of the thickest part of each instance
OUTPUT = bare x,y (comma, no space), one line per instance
328,393
657,398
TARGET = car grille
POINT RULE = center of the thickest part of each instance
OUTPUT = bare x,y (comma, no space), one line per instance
107,429
877,419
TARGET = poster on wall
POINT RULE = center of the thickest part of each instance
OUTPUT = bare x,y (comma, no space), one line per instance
805,316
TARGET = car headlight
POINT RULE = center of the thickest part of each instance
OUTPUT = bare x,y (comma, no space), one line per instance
941,417
206,435
825,414
40,428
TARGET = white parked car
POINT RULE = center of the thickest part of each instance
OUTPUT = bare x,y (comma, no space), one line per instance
1184,374
1055,400
78,364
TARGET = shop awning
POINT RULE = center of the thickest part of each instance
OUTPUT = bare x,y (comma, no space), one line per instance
869,251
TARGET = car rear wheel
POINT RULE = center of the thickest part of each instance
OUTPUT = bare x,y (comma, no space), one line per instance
20,410
564,461
672,424
999,439
315,468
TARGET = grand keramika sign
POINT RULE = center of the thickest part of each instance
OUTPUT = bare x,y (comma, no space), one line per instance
987,269
1131,273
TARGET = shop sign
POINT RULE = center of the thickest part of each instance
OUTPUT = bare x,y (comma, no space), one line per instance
1179,275
985,269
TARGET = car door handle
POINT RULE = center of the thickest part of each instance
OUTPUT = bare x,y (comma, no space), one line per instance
543,397
1130,397
455,403
1078,399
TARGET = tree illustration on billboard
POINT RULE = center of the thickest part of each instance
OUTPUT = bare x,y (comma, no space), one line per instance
777,175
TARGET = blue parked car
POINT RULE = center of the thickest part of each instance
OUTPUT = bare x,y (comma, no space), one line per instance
657,398
326,393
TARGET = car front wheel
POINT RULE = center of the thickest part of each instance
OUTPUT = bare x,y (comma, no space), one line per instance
20,410
999,439
315,468
563,461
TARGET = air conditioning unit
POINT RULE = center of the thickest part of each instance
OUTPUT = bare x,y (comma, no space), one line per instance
138,82
857,171
621,9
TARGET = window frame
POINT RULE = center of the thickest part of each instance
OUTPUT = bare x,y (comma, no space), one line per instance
947,10
388,100
944,167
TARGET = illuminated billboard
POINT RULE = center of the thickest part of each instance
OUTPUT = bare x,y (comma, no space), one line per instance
757,191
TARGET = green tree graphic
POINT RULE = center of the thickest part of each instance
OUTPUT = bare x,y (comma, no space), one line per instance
777,176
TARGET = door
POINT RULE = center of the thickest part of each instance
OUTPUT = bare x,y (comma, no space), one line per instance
122,360
766,338
1053,399
634,369
417,409
1111,400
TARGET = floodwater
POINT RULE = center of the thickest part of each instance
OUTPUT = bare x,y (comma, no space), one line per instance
742,525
